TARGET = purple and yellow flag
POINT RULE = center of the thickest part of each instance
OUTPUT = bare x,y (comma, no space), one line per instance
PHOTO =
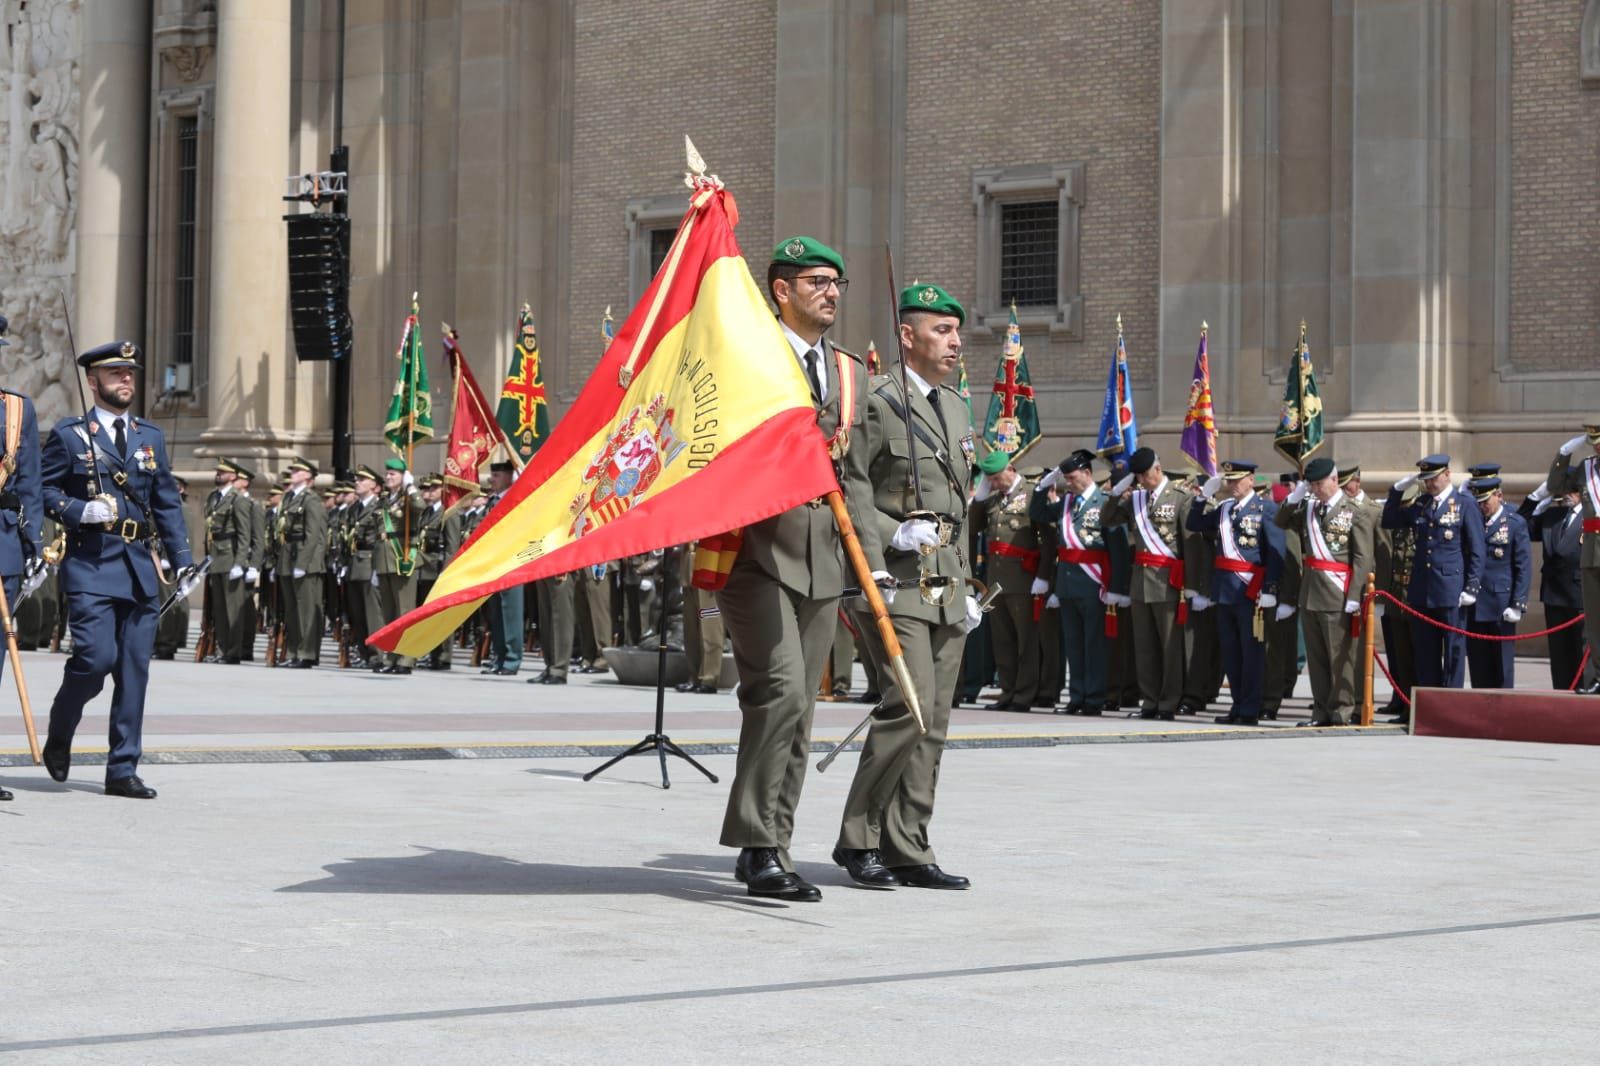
1199,441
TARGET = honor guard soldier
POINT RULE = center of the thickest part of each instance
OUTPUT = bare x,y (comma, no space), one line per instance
506,608
1000,507
1244,581
1584,480
363,532
1153,514
1503,594
441,537
21,499
1083,575
302,563
557,625
1336,536
780,602
107,481
595,629
393,589
235,559
883,840
1447,527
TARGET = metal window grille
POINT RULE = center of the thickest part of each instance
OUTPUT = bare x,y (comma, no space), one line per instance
1030,245
660,245
188,223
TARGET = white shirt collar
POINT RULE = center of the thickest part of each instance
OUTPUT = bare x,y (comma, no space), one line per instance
916,379
223,490
106,418
1246,498
801,346
1360,497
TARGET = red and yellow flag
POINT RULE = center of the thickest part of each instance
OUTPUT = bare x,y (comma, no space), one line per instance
697,420
474,434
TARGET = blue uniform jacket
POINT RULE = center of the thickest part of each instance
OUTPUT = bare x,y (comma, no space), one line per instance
22,512
1255,534
104,560
1507,567
1449,545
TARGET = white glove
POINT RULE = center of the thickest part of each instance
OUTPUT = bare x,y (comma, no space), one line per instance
1511,614
1406,482
1543,506
1540,493
1199,603
1052,478
885,582
96,511
1267,601
1284,611
1040,587
1377,610
983,491
298,573
1299,491
1573,445
343,571
913,533
1209,489
645,585
236,573
1352,606
1053,601
1119,599
407,480
251,576
1122,486
1467,599
34,580
166,564
974,614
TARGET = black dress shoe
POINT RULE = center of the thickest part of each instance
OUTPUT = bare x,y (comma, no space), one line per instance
1271,716
399,670
4,795
687,686
1000,705
703,689
297,664
929,876
57,762
131,787
1235,719
865,867
1089,712
1167,716
503,671
230,660
766,877
551,679
1148,714
489,670
870,696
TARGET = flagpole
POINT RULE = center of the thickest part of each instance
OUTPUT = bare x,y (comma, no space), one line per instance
1300,397
413,342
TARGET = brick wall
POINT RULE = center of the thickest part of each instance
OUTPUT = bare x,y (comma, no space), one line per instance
1041,81
1555,193
645,75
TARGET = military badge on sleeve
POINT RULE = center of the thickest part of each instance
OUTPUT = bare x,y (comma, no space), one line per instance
969,449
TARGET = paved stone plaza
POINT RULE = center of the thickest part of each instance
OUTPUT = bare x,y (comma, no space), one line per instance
1333,898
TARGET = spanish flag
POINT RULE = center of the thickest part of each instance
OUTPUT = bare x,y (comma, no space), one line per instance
697,420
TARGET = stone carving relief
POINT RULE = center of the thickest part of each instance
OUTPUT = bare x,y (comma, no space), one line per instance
38,197
188,61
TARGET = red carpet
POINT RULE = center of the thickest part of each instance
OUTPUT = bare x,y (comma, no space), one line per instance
1542,717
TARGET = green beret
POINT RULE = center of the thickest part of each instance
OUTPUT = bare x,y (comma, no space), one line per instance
931,298
807,251
1319,468
395,463
994,462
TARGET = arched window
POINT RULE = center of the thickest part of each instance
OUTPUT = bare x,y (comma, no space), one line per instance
1589,45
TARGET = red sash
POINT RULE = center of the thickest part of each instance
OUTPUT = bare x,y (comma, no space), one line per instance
1174,569
1082,556
1028,559
1591,525
1329,567
1258,574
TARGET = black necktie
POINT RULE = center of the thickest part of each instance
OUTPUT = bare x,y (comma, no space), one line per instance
933,402
811,375
119,438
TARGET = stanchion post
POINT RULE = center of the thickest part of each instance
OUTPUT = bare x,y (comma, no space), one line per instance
1369,650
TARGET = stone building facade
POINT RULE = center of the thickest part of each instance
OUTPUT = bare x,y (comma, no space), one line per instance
1417,180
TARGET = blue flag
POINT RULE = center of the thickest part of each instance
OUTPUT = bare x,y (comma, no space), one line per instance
1119,429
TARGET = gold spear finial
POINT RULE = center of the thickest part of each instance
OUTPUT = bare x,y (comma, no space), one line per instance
448,330
1119,323
1204,328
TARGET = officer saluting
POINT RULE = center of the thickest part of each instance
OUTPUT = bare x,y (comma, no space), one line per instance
1507,579
21,512
107,481
1447,570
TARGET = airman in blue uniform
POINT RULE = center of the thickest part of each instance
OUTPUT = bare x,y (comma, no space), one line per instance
21,511
1503,596
1447,568
106,479
1249,559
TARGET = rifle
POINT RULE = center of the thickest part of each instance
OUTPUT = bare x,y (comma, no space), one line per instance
207,643
275,623
341,630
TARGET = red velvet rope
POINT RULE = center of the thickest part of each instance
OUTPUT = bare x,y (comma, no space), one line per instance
1477,636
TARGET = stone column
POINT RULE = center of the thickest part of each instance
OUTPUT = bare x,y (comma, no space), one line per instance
248,384
114,141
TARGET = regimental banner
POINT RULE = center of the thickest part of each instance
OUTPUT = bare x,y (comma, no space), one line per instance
1299,431
1012,424
1199,440
474,435
524,410
410,416
697,420
1119,429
